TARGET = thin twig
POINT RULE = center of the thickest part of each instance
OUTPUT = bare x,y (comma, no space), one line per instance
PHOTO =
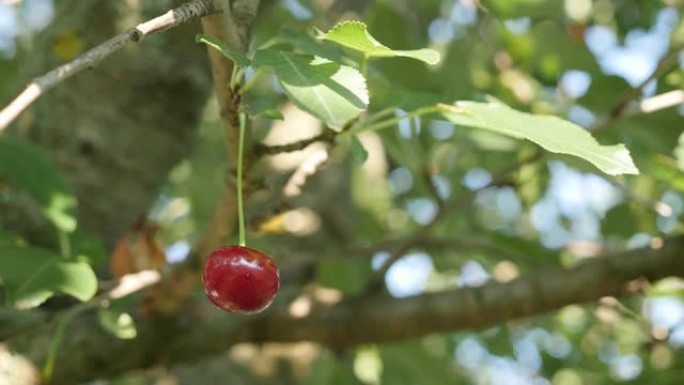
293,188
661,102
663,66
645,106
305,170
621,108
132,283
314,162
37,87
432,189
327,136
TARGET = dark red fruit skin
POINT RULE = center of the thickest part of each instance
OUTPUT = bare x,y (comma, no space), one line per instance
240,279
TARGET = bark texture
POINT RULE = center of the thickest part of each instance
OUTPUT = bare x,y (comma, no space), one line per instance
116,130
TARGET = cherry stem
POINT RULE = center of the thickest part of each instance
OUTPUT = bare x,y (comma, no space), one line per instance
241,211
64,244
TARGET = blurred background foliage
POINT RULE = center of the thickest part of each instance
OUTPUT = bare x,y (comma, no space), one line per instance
573,58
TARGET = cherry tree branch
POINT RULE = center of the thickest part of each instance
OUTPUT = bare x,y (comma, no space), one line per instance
661,102
123,287
88,351
385,319
309,167
327,136
37,87
294,186
232,28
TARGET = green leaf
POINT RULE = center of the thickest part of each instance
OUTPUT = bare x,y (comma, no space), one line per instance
409,101
10,77
303,42
600,96
358,152
555,52
9,239
32,275
354,34
679,152
672,286
664,169
348,276
553,134
426,361
28,167
620,221
119,323
328,369
236,57
89,247
332,92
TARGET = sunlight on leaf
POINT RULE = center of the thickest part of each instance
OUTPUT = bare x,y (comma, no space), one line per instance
120,324
330,91
30,168
355,35
359,153
32,275
552,133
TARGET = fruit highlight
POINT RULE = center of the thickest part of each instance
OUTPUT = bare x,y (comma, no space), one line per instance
240,279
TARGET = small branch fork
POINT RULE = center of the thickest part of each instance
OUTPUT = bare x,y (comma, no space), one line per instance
622,107
37,87
663,66
327,136
314,162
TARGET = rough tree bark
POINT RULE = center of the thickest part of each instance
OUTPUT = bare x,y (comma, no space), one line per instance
116,130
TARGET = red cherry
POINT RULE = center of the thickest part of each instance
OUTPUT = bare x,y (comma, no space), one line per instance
240,279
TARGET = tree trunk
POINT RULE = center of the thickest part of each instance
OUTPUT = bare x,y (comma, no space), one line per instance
117,130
